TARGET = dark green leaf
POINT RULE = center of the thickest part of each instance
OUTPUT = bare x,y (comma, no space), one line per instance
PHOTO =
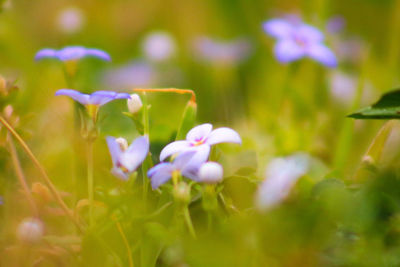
387,107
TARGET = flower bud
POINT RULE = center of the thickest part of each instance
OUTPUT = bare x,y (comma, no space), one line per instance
30,230
211,173
123,144
134,103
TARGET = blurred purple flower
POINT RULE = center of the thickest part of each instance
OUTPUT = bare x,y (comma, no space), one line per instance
98,98
1,200
281,175
71,20
187,164
72,53
335,24
225,53
135,74
127,159
158,46
200,139
298,40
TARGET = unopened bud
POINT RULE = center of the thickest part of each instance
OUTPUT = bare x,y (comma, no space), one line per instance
211,173
123,144
134,103
30,230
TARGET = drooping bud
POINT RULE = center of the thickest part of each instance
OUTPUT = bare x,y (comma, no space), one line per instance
123,144
134,104
30,230
211,173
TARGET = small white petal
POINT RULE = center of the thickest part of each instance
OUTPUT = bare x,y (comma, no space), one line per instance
199,132
173,148
223,135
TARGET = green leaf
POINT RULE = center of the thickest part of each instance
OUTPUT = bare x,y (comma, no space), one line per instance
387,107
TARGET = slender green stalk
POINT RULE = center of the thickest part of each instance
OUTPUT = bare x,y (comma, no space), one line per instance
43,172
126,243
188,221
90,179
146,131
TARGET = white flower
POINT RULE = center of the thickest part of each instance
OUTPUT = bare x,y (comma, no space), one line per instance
30,230
159,46
71,20
282,174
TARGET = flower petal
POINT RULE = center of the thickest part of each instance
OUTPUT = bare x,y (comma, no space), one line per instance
322,54
135,154
309,33
71,53
287,51
46,53
190,168
199,132
98,54
77,96
114,148
173,148
278,28
160,174
223,135
103,97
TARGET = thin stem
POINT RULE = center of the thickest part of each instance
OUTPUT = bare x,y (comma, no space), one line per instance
42,171
20,174
126,243
146,132
90,179
188,221
169,90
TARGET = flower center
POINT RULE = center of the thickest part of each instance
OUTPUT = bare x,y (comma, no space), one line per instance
300,41
198,142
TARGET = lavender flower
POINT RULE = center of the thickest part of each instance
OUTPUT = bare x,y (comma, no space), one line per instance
159,46
98,98
186,164
221,52
282,174
298,40
211,173
71,20
127,159
201,137
335,24
72,53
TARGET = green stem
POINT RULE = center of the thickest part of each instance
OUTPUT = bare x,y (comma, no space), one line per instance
146,132
90,180
188,221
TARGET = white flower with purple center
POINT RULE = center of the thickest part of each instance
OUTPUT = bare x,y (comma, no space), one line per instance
127,159
299,40
185,164
200,139
72,53
281,175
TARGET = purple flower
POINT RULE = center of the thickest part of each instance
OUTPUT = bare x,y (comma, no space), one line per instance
282,174
201,138
98,98
186,164
127,159
71,53
335,24
221,52
298,40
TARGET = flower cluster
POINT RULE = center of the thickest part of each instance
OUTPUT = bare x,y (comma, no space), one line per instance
192,153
